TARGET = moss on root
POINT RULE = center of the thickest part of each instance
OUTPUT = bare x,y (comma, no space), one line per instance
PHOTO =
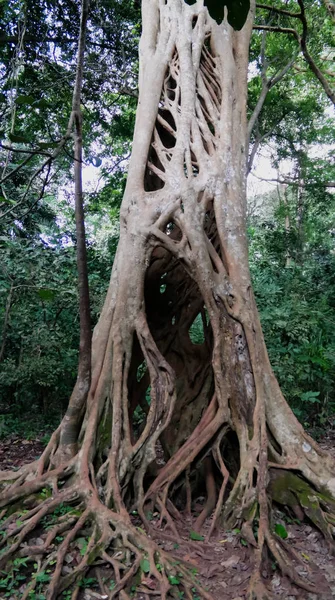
288,489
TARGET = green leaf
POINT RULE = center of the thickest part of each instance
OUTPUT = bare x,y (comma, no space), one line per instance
18,138
196,536
145,565
173,580
83,548
42,577
46,294
25,100
310,397
140,529
47,145
43,103
281,531
7,201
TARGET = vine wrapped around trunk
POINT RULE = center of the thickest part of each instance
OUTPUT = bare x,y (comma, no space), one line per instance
182,256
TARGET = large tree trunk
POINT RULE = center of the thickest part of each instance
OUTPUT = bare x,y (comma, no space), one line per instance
182,253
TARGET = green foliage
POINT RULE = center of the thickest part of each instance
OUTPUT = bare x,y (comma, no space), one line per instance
37,241
294,280
173,580
40,355
29,428
88,582
13,578
196,331
196,536
281,531
145,565
39,321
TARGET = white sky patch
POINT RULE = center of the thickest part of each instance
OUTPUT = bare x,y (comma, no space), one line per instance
261,170
91,177
259,179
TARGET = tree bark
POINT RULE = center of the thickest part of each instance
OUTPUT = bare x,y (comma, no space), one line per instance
6,322
182,253
71,422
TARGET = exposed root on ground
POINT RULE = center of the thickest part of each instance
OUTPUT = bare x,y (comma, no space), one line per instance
58,525
67,519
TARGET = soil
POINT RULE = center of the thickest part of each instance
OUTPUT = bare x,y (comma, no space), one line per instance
224,564
15,452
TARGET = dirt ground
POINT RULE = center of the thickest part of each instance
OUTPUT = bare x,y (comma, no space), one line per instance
224,564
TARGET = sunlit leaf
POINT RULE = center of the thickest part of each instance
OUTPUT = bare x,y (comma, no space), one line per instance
196,536
145,565
173,580
281,531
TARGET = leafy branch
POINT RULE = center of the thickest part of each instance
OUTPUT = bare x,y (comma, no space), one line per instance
301,39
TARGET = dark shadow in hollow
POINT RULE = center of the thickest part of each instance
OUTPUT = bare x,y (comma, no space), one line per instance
173,302
152,180
138,391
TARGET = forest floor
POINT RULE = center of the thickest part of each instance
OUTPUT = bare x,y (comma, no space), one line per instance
223,565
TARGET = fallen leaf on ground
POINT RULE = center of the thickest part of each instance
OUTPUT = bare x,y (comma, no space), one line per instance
212,570
149,583
231,562
187,558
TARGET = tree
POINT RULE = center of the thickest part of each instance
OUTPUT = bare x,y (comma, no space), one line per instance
182,257
295,296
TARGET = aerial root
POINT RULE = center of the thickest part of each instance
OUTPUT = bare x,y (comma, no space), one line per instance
257,589
283,554
225,474
41,568
211,494
12,540
165,515
188,491
28,482
131,557
134,558
55,585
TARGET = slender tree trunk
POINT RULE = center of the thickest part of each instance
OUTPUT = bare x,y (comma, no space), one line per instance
71,423
6,322
283,195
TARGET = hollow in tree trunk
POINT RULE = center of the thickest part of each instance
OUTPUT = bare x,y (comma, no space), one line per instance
182,258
